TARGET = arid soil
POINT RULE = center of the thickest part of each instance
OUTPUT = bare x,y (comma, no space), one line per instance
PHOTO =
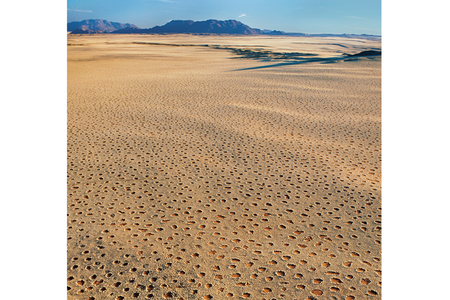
220,167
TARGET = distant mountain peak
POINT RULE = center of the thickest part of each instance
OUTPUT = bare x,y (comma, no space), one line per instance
198,27
97,26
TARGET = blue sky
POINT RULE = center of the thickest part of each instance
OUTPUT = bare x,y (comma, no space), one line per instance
307,16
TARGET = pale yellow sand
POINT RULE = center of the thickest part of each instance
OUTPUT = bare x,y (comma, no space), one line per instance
194,174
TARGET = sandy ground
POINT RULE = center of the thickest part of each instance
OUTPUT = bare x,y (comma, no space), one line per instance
194,173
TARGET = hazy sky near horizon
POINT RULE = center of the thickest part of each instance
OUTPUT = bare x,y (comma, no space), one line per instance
307,16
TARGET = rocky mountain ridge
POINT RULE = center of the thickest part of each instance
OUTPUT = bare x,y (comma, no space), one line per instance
97,26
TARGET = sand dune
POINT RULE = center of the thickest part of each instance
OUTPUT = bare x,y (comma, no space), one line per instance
189,179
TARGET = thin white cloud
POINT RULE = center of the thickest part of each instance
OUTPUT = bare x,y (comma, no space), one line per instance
243,15
79,10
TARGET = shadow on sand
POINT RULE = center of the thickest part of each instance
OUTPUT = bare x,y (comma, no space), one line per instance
328,60
263,55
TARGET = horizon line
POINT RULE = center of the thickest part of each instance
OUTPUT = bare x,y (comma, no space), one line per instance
287,32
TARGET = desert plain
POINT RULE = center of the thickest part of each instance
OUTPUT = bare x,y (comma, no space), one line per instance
223,167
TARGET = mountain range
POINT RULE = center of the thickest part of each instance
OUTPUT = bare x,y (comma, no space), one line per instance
199,27
97,26
232,27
